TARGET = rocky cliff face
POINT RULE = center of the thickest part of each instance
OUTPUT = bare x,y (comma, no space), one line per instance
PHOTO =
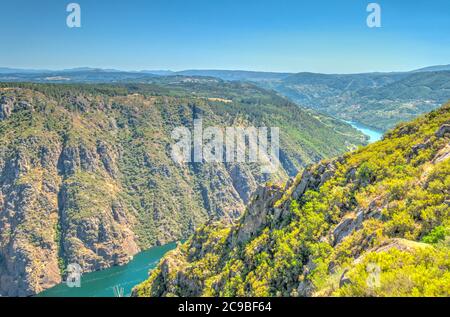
43,225
86,177
370,223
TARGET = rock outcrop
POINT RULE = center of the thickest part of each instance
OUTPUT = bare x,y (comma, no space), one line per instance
443,130
6,107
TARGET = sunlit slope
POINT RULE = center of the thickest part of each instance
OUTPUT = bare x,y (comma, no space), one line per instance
374,222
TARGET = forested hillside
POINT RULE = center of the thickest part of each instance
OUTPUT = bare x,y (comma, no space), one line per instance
373,222
378,100
86,174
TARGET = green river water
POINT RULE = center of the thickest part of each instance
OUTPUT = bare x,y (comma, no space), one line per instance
374,135
102,283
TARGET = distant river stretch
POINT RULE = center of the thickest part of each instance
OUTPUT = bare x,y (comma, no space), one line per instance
102,283
374,135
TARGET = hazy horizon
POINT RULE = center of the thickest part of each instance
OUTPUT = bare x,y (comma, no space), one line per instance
91,68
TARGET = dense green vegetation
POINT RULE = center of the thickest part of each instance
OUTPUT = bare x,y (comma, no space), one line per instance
374,222
87,176
378,100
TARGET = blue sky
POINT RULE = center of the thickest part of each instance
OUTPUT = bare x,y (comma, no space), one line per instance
329,36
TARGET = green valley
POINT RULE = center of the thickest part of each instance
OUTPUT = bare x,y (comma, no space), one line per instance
86,174
378,100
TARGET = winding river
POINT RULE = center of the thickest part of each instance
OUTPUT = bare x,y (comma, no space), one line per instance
374,135
102,283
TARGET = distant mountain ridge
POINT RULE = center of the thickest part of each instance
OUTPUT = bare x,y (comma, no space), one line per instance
379,99
220,73
433,68
236,74
230,75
